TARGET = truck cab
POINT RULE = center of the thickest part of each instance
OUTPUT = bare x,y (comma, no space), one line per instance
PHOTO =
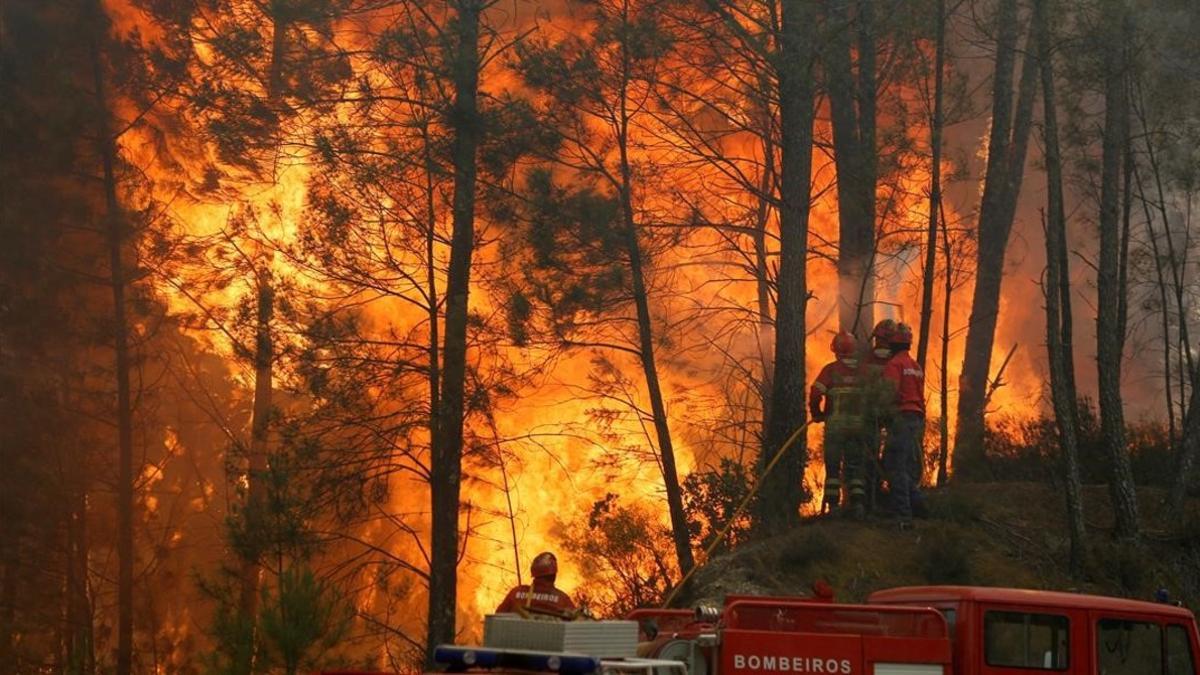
1006,631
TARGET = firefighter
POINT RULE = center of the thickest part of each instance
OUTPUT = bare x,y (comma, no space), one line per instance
837,399
541,598
905,429
878,402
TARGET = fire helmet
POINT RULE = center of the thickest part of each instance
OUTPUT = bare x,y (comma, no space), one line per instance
882,335
544,565
902,336
844,344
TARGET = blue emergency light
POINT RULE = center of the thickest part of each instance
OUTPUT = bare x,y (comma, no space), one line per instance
457,658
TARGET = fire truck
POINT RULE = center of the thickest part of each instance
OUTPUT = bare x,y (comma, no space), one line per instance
927,630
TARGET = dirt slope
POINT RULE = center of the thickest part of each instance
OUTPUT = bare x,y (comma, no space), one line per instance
999,534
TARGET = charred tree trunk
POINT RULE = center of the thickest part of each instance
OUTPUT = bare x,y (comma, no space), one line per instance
8,599
1005,166
81,652
935,193
117,236
943,474
852,109
1188,373
666,450
1062,391
1185,467
779,498
257,457
1164,306
264,363
641,301
446,463
1109,335
762,219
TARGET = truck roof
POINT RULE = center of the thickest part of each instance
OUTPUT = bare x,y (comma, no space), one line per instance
1021,596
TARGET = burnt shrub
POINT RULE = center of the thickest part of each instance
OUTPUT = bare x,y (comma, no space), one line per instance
801,551
1129,566
1027,449
943,559
953,505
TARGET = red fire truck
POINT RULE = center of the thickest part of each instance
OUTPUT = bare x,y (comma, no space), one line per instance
925,630
928,630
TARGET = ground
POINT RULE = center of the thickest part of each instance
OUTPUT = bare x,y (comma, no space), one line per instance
997,534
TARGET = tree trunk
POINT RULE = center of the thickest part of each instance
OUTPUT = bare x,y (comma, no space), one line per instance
852,106
666,449
1109,337
944,388
1164,305
264,364
446,464
779,498
116,234
1006,161
1062,391
256,459
935,191
1185,467
762,219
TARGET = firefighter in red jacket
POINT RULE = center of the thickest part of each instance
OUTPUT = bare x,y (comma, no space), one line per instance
879,400
902,453
541,598
837,399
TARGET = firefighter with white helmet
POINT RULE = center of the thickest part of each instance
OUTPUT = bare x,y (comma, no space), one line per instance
837,399
540,598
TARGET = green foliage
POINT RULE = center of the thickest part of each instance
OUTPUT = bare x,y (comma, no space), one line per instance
302,619
710,499
231,631
280,525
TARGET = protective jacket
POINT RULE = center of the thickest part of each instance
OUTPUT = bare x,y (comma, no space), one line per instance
542,597
909,382
840,387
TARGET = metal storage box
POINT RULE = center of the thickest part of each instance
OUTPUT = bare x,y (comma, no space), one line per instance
604,639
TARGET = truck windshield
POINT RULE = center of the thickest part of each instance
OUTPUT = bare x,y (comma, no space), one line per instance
1026,640
1128,647
1179,652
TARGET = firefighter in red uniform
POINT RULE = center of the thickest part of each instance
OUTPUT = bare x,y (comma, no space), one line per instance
837,399
879,400
906,425
540,599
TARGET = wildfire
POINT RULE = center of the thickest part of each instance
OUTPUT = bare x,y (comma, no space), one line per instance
553,461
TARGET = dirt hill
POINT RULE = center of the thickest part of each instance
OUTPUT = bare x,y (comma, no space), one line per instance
998,534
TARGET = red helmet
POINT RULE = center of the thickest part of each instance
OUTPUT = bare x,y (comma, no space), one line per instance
902,336
882,334
844,344
544,565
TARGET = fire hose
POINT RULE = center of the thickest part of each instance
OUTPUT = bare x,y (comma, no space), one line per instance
737,513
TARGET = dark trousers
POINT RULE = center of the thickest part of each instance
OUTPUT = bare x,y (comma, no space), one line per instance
845,454
902,461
